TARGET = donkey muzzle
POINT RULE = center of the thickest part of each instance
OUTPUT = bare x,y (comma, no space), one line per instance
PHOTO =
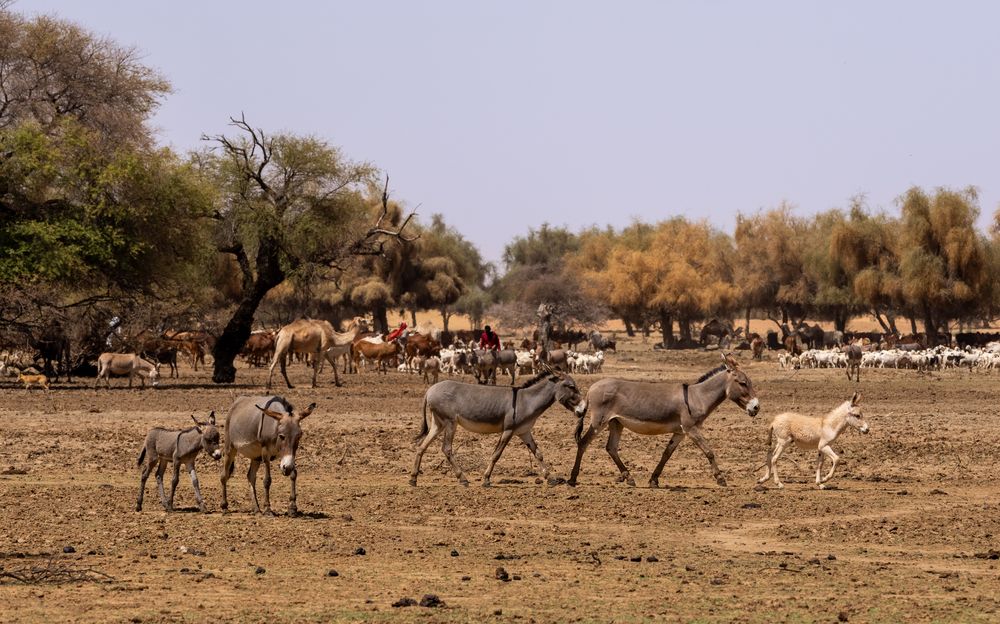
864,428
287,465
216,454
753,406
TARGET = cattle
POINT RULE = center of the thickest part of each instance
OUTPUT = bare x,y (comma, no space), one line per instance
259,348
421,344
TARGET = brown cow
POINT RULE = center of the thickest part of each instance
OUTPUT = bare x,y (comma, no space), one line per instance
421,344
258,348
378,352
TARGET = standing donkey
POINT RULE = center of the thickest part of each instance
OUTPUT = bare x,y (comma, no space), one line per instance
180,447
262,429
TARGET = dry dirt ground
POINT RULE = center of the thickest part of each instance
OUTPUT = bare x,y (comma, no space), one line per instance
905,535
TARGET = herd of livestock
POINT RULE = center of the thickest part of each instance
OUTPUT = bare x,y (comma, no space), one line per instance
267,428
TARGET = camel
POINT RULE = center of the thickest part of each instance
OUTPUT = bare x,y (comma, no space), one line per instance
318,338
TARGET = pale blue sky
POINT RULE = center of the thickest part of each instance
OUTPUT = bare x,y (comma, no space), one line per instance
507,114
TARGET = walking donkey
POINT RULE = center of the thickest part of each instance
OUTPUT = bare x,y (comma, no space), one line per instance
658,408
262,429
809,432
491,409
180,447
854,356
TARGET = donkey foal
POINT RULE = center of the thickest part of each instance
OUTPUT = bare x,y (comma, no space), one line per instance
180,447
809,432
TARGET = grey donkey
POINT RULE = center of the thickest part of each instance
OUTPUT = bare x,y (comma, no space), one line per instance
180,447
262,429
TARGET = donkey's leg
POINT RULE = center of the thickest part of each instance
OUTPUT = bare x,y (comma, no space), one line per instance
197,489
252,478
779,448
699,439
446,448
147,468
175,479
834,458
228,463
267,487
160,469
675,440
497,452
432,431
529,441
581,447
614,438
293,509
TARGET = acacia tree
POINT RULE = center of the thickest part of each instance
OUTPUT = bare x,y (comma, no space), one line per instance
864,247
770,269
289,204
693,274
944,265
538,271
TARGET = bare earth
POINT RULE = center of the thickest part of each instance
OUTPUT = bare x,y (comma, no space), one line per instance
905,534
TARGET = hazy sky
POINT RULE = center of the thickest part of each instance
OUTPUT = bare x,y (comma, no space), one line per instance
504,115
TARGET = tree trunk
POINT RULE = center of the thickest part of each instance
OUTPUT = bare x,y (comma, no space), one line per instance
878,317
913,324
445,317
685,327
746,327
629,330
413,318
667,329
840,321
891,318
929,327
380,316
234,336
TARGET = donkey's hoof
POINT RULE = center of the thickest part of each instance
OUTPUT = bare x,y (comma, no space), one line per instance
571,482
721,481
654,484
630,481
487,484
822,486
780,485
268,514
413,482
293,512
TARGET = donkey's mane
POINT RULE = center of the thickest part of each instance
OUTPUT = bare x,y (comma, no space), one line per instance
534,380
711,373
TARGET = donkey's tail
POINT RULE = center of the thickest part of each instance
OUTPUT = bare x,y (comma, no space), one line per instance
142,456
424,427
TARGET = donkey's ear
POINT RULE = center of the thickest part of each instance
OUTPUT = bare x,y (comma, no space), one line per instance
274,415
306,411
727,359
856,398
197,425
211,418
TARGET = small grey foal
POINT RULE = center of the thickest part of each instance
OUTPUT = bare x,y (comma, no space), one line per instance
180,447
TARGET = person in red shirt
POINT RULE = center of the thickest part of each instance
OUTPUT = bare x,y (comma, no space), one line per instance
396,333
489,340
